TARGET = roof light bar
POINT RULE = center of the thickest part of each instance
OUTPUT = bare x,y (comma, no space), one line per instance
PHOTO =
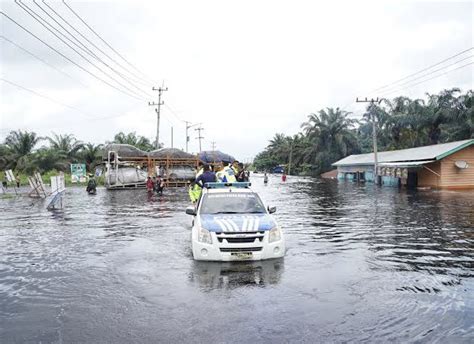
226,185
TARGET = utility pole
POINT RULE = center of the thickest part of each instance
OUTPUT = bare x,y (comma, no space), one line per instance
289,160
171,137
374,131
214,158
199,136
188,126
157,110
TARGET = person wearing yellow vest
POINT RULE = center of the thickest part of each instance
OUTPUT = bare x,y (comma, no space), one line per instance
194,189
194,192
226,174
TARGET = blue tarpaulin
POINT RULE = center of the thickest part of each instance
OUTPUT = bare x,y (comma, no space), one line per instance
215,156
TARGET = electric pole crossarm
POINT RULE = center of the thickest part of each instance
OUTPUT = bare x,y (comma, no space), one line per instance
157,110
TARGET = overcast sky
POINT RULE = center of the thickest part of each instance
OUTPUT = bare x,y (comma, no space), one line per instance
245,69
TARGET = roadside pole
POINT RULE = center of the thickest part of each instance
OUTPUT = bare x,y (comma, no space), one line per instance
199,137
374,132
157,110
188,126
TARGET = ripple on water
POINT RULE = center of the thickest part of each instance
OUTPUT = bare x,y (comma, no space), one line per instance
362,264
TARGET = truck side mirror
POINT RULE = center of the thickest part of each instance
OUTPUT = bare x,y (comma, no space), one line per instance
271,210
191,210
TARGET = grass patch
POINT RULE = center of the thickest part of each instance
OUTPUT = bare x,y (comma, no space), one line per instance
47,178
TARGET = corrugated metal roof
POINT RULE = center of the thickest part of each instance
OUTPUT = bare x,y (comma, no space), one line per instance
405,163
433,152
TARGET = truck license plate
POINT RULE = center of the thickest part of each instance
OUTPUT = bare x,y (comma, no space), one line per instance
242,255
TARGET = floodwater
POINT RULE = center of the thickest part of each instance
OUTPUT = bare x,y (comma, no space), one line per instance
362,264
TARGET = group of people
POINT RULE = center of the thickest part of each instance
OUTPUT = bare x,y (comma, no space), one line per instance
155,184
223,172
265,178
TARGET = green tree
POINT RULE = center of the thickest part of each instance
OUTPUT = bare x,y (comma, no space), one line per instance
92,155
4,156
332,135
461,124
441,109
20,145
67,145
133,139
46,159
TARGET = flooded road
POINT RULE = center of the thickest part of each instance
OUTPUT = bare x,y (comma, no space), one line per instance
362,264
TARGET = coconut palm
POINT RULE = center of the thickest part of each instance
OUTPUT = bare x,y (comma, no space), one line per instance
133,139
47,159
461,125
20,145
92,155
440,109
335,131
66,144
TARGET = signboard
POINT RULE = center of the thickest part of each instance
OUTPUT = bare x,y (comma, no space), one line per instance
78,173
98,171
10,176
58,189
37,186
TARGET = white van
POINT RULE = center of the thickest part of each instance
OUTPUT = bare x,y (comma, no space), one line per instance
231,223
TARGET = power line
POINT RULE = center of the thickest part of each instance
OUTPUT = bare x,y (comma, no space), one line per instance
67,58
436,76
58,102
174,113
95,33
140,80
35,16
423,70
83,47
44,61
390,90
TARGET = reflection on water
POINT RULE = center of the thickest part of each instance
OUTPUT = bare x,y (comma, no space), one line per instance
363,264
215,275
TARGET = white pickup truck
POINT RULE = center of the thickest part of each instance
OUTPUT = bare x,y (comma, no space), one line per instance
231,224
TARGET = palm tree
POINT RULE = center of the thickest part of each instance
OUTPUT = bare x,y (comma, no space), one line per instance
47,159
4,157
66,144
133,139
20,146
441,108
279,147
335,131
461,125
92,155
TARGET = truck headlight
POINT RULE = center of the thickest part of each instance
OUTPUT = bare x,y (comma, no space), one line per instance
204,236
274,234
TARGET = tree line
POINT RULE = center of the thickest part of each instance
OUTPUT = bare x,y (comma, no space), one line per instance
26,152
402,122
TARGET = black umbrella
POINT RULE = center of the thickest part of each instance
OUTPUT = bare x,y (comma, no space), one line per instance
215,156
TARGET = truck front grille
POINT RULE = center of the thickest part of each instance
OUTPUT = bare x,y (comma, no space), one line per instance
240,249
240,237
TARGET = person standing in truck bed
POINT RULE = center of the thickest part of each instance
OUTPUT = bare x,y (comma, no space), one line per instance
206,177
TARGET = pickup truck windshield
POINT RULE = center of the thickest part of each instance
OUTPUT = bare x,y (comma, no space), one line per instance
232,203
